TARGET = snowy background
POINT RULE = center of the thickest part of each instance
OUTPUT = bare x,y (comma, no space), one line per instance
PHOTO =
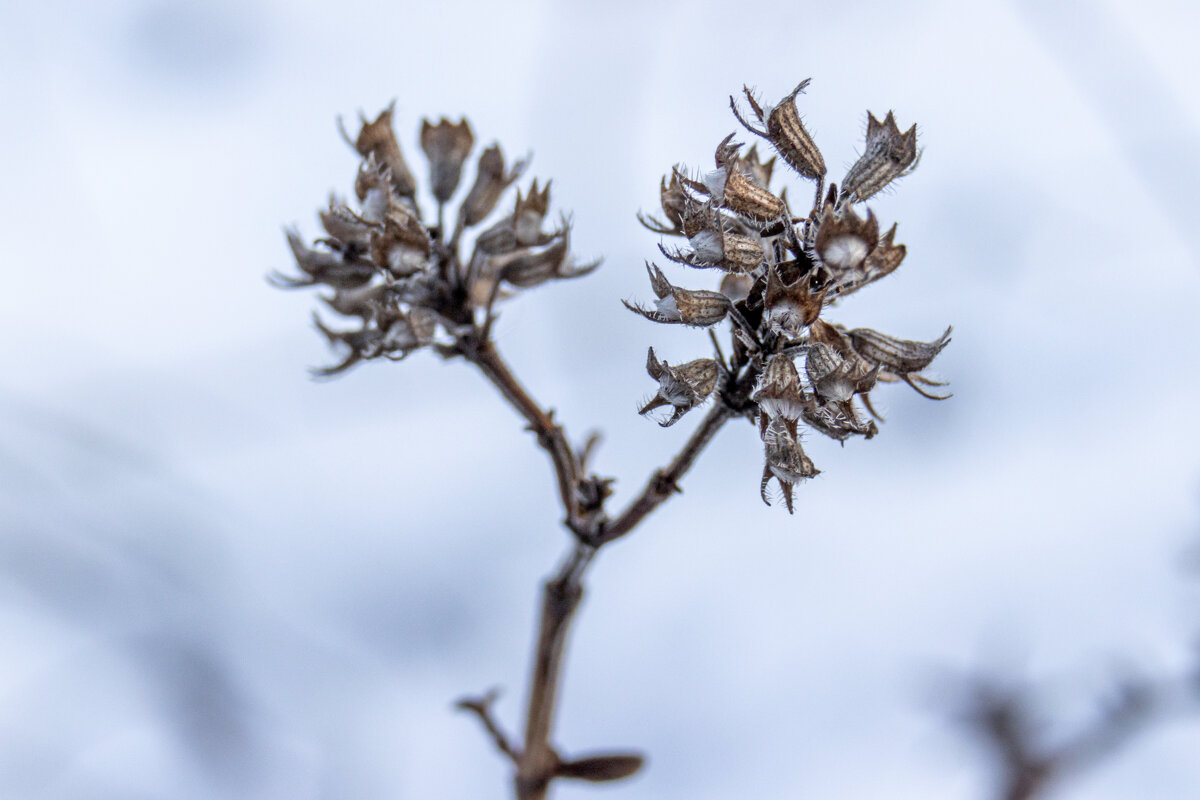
220,579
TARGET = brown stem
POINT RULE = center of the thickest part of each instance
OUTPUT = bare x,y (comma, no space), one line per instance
665,482
549,434
537,762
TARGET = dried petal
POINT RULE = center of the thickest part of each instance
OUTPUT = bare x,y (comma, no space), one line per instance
889,155
447,146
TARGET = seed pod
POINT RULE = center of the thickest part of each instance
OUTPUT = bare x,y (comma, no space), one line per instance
320,266
698,308
599,769
897,356
447,146
684,387
889,155
786,461
491,181
379,140
786,133
732,252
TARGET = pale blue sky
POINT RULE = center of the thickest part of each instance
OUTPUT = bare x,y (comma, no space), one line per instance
220,579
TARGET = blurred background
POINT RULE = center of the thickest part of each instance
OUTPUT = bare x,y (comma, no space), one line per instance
221,579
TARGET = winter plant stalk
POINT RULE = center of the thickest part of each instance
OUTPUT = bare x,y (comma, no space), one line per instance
400,282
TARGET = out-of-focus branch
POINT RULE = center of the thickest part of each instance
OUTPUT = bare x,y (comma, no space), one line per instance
1005,719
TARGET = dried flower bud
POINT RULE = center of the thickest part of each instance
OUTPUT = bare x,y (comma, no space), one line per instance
684,387
778,392
447,146
491,182
790,308
698,308
786,461
786,133
889,155
844,240
379,140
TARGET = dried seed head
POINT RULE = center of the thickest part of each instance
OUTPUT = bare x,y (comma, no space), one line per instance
698,308
896,356
684,387
786,461
786,133
844,240
778,392
447,146
790,308
889,155
379,140
491,181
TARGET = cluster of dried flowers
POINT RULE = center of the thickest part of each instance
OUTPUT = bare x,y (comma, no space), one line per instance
780,272
398,274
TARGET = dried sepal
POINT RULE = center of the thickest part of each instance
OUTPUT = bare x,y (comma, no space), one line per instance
889,154
778,392
790,308
786,461
377,139
447,146
491,181
786,132
695,307
684,387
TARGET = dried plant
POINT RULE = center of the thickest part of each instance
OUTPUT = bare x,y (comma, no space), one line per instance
401,280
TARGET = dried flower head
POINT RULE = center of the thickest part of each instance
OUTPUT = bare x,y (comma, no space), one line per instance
782,274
